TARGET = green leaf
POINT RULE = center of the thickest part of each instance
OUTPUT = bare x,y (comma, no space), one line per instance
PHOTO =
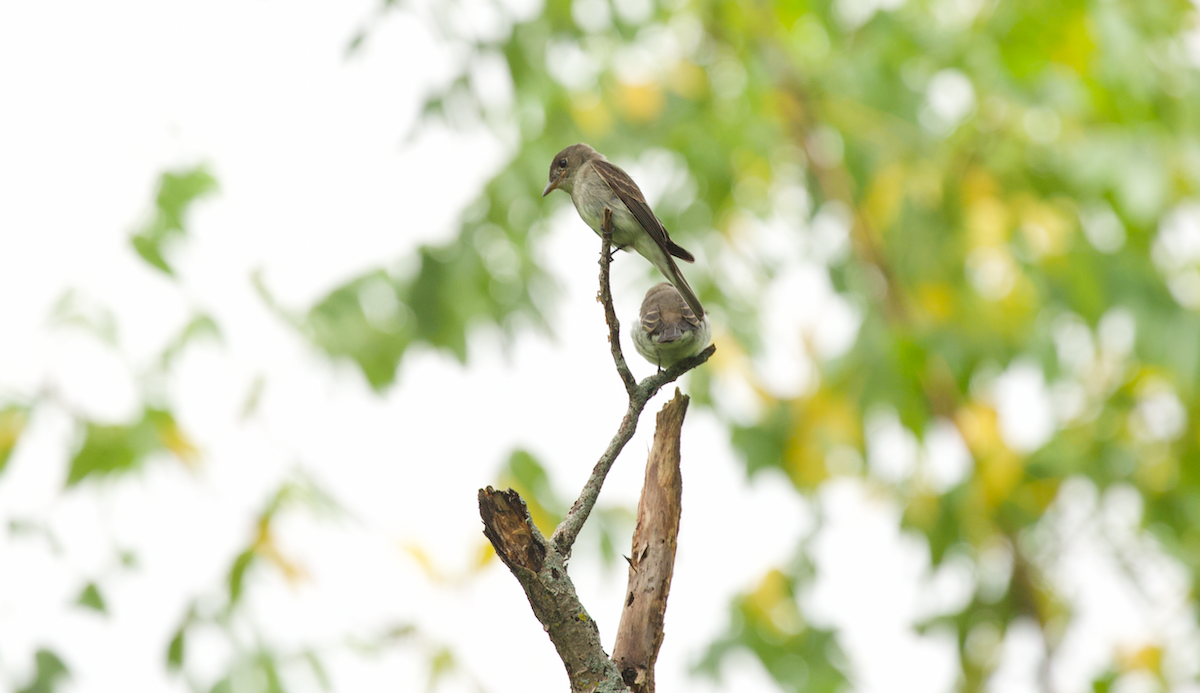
526,475
12,423
150,248
441,663
366,321
269,667
91,598
253,397
318,669
119,449
49,673
74,310
300,490
34,528
762,445
614,525
177,190
175,650
297,491
768,623
199,327
529,473
237,575
486,275
110,449
1104,683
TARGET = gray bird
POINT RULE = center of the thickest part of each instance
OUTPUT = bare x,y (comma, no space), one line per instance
593,184
669,330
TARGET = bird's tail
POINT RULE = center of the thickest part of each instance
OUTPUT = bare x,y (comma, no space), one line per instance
678,251
670,333
671,271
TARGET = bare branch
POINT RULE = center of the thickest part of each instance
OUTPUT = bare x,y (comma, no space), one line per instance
639,393
540,565
640,634
543,575
567,530
651,385
610,315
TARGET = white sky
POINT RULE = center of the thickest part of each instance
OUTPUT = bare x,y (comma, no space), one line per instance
317,186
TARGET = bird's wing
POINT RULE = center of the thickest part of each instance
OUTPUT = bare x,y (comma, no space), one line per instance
650,320
631,195
674,315
667,316
688,316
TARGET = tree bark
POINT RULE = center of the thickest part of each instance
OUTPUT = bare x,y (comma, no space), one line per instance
540,565
640,633
543,576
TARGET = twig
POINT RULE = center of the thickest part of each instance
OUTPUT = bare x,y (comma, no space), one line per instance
610,315
543,575
540,565
639,393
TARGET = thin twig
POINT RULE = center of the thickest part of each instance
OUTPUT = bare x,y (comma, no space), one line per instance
639,394
567,530
610,315
540,565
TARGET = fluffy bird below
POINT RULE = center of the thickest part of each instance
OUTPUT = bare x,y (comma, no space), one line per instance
668,331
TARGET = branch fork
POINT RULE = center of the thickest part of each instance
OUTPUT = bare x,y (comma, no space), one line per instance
539,564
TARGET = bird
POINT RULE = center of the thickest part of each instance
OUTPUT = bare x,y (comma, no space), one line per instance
595,183
668,331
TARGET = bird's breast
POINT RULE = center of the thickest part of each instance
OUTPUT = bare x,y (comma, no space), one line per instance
591,195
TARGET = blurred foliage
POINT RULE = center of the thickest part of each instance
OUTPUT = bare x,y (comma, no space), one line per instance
12,422
300,492
986,186
226,612
481,277
114,451
768,622
443,665
199,327
121,448
34,529
177,190
75,311
108,449
528,477
608,527
90,598
50,670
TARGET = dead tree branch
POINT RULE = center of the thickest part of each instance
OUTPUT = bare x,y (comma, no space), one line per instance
540,564
640,633
639,394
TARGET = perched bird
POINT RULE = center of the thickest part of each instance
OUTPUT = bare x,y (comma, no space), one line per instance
669,330
593,184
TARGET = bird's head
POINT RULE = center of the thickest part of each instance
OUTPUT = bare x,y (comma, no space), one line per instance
566,164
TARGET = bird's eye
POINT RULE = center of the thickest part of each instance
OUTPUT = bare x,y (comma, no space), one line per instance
562,163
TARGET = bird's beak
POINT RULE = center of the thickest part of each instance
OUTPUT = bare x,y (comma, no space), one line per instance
554,183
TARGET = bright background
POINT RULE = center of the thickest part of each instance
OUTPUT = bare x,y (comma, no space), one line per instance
379,573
